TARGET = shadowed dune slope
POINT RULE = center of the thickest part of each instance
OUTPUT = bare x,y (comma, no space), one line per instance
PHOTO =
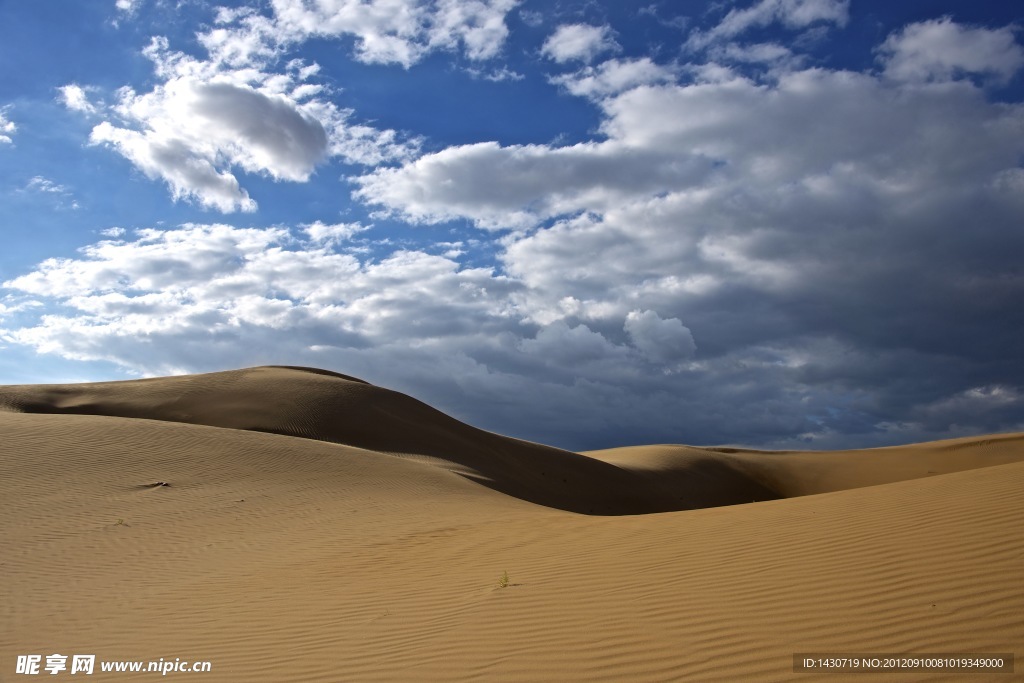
326,406
288,559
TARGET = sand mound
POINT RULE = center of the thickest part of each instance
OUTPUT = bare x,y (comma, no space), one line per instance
326,406
329,406
765,475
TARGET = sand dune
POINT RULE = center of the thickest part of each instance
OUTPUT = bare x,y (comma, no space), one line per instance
368,549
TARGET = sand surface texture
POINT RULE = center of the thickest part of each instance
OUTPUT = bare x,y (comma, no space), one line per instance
314,527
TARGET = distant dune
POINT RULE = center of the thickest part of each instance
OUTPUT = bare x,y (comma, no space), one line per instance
292,524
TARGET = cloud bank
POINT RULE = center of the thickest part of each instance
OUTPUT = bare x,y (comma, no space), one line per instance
795,255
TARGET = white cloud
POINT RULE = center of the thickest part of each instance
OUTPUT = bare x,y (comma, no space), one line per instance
578,42
7,127
242,38
210,118
189,175
322,233
793,14
478,26
614,76
941,49
771,54
206,120
496,75
790,13
73,96
60,194
128,6
216,282
823,235
517,186
770,222
398,31
41,184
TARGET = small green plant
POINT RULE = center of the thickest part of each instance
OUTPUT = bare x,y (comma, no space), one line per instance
119,522
504,581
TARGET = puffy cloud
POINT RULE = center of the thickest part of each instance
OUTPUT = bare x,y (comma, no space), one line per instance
322,233
189,175
820,257
206,119
128,6
73,96
614,76
662,341
829,237
232,111
815,131
386,31
515,187
612,363
478,26
941,49
7,127
578,42
217,281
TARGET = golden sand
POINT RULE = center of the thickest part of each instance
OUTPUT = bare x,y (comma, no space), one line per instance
288,524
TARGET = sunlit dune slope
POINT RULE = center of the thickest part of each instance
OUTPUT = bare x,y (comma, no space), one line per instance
785,474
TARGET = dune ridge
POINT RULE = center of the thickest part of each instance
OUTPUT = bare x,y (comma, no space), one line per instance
329,406
314,527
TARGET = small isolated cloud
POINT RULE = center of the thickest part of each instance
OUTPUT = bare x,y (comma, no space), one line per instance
496,75
322,233
128,6
73,96
41,184
7,127
941,49
578,42
62,195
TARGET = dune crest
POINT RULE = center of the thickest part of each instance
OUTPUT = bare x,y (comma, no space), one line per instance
328,406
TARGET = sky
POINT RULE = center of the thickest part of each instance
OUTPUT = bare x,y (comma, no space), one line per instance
776,223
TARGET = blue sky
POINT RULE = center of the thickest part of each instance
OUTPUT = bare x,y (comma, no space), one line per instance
782,223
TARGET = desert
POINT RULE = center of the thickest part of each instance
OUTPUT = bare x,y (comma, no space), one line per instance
287,523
